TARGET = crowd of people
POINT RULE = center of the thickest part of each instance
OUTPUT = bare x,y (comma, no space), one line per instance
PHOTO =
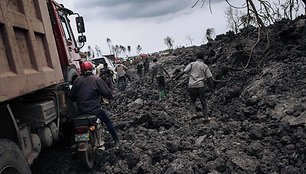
88,89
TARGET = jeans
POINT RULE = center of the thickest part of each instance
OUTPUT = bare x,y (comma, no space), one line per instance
161,87
111,129
121,83
109,81
128,77
194,94
161,82
146,70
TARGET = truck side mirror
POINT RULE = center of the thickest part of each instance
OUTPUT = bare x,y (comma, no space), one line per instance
82,39
80,24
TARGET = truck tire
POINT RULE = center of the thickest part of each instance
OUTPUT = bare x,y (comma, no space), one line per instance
12,160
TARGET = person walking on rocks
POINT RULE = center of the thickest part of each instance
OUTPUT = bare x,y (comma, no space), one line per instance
139,68
107,75
198,73
158,73
122,70
146,65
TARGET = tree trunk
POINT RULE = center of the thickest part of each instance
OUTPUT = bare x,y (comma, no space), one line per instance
259,21
304,1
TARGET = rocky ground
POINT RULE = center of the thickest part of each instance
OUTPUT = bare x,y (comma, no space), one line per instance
258,113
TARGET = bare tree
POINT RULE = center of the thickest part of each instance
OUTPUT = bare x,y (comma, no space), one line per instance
109,43
119,50
90,52
138,48
234,17
264,13
210,34
129,50
290,8
203,3
98,51
247,20
116,50
123,50
304,1
190,39
169,42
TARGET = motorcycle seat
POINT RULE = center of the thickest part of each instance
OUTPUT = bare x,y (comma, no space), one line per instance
85,119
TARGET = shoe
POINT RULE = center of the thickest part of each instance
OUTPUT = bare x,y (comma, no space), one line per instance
101,148
100,144
116,144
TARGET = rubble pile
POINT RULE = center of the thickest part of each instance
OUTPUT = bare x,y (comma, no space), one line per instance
257,109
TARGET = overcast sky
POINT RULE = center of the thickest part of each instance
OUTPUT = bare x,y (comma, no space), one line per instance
148,22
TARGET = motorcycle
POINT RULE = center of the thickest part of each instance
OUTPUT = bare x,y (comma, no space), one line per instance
87,136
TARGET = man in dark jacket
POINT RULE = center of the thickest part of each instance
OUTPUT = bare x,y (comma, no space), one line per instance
146,65
87,91
139,68
199,73
107,75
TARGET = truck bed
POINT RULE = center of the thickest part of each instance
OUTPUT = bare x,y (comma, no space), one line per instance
28,54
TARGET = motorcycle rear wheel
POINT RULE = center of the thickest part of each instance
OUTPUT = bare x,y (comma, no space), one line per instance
88,157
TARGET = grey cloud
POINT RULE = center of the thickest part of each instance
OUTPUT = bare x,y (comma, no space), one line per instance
112,3
127,9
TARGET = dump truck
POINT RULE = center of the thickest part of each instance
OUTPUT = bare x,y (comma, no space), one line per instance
39,57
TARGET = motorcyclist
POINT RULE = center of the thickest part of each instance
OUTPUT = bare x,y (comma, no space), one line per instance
86,91
146,65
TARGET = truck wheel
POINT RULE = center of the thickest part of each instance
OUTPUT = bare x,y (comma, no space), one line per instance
12,160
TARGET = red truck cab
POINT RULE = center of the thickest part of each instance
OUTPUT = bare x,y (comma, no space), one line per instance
67,45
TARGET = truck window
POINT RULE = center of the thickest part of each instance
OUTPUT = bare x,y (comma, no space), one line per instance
65,27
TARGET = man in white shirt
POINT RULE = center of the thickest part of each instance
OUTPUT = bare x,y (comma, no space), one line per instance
198,73
122,70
